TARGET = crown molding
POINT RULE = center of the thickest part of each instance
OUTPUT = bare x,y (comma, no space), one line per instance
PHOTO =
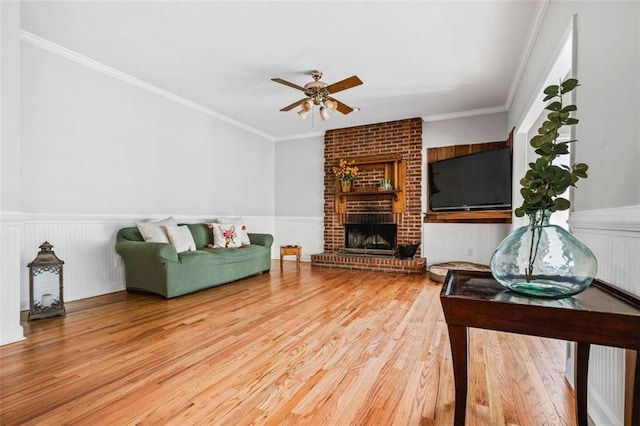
300,136
112,72
462,114
526,52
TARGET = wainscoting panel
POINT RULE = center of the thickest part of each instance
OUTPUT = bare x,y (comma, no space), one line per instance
86,243
614,237
87,246
10,271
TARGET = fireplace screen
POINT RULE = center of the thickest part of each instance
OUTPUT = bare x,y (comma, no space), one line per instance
370,234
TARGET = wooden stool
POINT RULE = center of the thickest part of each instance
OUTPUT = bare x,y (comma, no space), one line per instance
291,251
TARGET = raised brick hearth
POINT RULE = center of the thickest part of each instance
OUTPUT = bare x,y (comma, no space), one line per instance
403,138
370,263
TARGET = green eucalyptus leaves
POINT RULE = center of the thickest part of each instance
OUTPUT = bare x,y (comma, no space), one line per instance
544,182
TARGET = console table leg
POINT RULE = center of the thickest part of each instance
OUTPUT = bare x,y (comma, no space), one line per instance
581,374
459,341
634,416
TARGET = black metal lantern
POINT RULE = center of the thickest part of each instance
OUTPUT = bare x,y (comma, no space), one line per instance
45,284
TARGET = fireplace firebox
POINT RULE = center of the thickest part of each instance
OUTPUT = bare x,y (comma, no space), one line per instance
370,233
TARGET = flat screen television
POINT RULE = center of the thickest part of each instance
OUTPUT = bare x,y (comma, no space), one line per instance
479,181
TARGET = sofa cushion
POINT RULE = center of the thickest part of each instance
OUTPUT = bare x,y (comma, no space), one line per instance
201,234
154,232
180,237
222,256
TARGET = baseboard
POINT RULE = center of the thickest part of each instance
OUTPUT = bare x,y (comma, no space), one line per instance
599,411
96,290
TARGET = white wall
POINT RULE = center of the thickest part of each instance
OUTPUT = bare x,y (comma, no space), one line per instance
299,194
10,218
606,206
108,147
299,176
10,106
446,242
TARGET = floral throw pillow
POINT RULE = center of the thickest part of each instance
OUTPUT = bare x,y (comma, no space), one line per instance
226,235
240,225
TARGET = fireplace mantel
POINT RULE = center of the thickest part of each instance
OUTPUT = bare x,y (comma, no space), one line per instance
394,169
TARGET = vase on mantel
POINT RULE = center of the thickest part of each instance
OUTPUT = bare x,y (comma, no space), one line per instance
345,185
543,260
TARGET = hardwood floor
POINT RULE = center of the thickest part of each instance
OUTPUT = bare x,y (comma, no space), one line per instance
310,347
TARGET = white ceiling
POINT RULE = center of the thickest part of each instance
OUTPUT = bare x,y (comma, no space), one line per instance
416,59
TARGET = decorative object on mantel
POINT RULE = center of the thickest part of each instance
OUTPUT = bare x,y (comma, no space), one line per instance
541,259
385,185
407,251
45,284
345,173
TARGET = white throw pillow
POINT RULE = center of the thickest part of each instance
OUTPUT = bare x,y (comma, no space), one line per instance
241,228
154,232
181,238
226,235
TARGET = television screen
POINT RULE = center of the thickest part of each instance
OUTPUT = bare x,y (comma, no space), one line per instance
480,181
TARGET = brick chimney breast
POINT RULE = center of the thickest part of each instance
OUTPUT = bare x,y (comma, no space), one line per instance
403,137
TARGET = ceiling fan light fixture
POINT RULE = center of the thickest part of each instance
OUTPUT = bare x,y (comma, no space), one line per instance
324,115
305,108
329,104
303,113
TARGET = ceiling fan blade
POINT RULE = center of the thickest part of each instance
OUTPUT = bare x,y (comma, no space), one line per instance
345,84
287,83
343,108
293,105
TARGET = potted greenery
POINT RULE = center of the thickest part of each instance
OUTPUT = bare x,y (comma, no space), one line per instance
542,259
345,172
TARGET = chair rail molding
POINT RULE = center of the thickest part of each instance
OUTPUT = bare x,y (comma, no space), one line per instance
626,219
12,218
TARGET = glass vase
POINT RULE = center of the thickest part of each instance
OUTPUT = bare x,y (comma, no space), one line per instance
543,260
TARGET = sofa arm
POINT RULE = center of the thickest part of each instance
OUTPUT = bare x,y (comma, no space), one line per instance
141,249
265,240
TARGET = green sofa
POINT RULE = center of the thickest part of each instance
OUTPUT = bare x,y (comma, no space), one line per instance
158,268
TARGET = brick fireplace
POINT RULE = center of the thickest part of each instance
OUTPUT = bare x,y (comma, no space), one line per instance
402,141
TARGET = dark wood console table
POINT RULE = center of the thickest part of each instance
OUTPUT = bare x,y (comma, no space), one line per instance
602,315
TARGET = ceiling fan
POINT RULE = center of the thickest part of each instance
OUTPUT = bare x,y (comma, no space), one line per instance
319,93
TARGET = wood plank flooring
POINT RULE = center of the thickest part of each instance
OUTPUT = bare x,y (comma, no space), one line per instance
313,346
